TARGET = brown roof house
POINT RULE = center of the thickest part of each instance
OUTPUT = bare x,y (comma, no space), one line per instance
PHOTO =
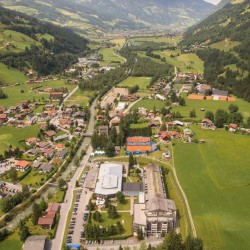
207,124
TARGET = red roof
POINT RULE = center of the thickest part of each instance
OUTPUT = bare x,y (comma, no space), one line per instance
233,125
45,221
165,135
22,164
4,116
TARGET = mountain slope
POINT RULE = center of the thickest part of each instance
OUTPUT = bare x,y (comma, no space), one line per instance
226,37
91,15
28,43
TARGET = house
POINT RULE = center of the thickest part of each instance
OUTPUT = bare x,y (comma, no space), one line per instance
232,127
3,119
31,140
22,165
165,136
32,118
80,115
175,135
56,95
178,123
103,130
46,168
204,88
207,124
115,121
36,242
36,164
48,153
61,137
50,133
187,132
47,221
53,207
154,124
67,113
100,117
43,145
65,123
32,152
61,154
218,94
60,146
160,97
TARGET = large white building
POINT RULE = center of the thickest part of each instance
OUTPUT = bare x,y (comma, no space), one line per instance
156,214
109,179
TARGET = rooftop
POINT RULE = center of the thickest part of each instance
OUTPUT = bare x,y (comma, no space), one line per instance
35,242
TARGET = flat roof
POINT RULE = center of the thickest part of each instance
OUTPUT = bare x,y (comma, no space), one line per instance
132,186
109,179
139,214
36,242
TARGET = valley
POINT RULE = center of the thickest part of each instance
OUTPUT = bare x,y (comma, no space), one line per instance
168,111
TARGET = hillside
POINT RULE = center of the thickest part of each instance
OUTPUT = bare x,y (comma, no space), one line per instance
26,43
225,37
93,16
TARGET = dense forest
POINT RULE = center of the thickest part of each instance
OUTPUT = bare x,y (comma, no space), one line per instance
225,68
46,56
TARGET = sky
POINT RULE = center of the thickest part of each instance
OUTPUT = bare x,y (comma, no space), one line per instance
213,1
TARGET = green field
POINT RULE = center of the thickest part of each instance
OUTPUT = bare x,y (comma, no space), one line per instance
225,45
80,97
185,62
149,104
13,136
244,107
142,82
158,39
15,94
215,177
11,242
10,75
110,57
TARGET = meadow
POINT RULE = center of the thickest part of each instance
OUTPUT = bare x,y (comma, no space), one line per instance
142,82
158,39
215,177
10,75
13,136
80,97
110,57
210,105
149,104
12,242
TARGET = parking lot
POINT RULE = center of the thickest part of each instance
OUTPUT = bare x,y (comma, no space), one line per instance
80,211
5,166
9,189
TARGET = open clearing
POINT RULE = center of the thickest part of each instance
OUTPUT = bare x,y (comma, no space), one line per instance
10,75
142,82
216,178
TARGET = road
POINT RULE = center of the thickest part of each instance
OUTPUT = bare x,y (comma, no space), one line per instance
56,243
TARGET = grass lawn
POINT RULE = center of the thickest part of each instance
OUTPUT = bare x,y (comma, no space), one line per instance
139,125
215,177
142,82
149,104
11,242
33,179
13,136
80,97
10,75
121,207
244,107
58,196
124,218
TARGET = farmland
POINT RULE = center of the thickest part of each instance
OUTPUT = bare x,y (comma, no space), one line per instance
10,75
215,177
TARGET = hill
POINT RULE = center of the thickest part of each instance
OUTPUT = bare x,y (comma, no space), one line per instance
92,15
225,38
26,43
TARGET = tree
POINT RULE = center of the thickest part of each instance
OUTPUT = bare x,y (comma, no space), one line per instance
209,115
97,216
120,248
139,234
119,227
131,161
193,243
106,202
23,231
13,174
43,204
236,118
248,122
110,149
221,117
112,212
192,113
61,183
91,206
173,242
163,127
36,213
120,197
233,108
143,246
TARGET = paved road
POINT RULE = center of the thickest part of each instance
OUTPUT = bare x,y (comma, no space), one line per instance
56,244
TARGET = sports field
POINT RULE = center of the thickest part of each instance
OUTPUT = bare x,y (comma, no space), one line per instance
216,179
142,82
